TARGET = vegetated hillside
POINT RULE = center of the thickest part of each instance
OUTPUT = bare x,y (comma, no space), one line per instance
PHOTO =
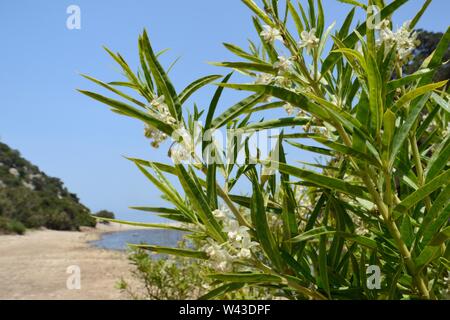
31,199
428,43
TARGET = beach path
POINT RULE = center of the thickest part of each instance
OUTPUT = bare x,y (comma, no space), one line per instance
34,266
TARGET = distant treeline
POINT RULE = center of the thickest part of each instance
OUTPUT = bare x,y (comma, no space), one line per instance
31,199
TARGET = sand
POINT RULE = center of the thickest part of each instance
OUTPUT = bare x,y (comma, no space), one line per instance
34,266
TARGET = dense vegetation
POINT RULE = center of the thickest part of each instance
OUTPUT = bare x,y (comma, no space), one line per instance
105,215
428,43
31,199
380,199
162,277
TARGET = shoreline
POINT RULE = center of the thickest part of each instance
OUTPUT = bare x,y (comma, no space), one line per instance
34,265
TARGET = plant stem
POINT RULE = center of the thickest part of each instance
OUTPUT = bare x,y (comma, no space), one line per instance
392,227
419,168
395,233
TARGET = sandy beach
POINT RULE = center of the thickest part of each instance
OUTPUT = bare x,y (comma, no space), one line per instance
34,266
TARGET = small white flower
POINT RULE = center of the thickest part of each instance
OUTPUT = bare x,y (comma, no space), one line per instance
2,184
309,40
184,146
247,242
159,102
384,24
245,254
224,266
219,214
290,109
157,136
264,78
275,221
403,38
162,110
283,82
221,259
283,64
179,154
245,246
361,228
320,130
234,231
270,34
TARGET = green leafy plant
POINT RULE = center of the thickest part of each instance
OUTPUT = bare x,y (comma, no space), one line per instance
381,195
8,226
179,278
105,214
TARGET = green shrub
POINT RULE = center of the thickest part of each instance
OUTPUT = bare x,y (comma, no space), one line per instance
105,214
8,226
175,278
42,209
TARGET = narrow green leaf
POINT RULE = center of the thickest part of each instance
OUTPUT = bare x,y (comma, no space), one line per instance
173,251
194,86
324,181
246,277
235,110
439,160
413,94
144,225
312,234
438,182
130,111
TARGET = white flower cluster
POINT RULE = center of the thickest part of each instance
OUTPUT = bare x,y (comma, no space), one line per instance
309,40
157,136
2,184
292,110
405,40
238,246
283,82
361,228
275,222
264,78
283,65
163,110
270,34
183,148
221,260
158,108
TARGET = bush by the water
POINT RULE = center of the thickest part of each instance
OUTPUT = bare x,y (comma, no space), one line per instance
105,214
176,278
31,199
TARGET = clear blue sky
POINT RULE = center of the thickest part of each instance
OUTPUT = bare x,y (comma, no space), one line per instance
82,142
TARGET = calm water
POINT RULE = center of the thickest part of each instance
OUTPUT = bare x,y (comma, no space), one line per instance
119,240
